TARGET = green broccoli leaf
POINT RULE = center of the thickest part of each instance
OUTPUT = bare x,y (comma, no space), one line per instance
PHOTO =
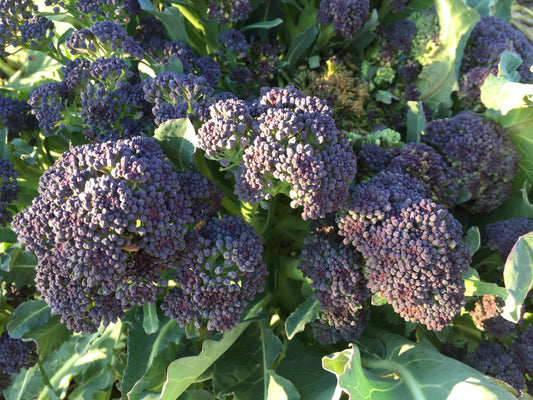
177,138
388,366
438,79
305,313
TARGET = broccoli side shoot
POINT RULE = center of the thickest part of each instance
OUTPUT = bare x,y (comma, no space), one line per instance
218,272
502,235
9,189
15,354
482,154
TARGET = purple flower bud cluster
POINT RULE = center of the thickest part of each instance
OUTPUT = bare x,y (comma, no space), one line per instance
15,354
502,235
218,272
108,9
489,39
339,286
15,115
37,31
262,60
372,159
285,142
225,11
108,217
48,104
493,359
423,163
9,189
522,349
487,316
348,16
104,39
481,152
110,70
232,41
176,96
75,75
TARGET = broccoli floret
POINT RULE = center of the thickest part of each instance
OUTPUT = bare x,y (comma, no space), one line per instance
338,283
502,235
489,39
9,189
425,42
15,115
493,359
347,16
487,316
176,96
48,104
522,349
232,42
108,9
15,354
218,272
423,163
285,142
224,11
107,218
470,88
372,159
416,260
481,152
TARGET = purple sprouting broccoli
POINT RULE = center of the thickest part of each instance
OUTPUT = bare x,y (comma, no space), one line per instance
176,96
487,316
522,350
338,284
37,31
108,9
107,218
502,235
103,39
217,273
489,39
9,189
416,260
470,88
48,105
225,11
370,203
263,60
372,159
493,359
75,76
232,41
423,163
347,16
481,152
15,354
285,142
15,115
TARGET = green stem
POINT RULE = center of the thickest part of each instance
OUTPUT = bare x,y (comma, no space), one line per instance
162,333
46,379
407,377
6,68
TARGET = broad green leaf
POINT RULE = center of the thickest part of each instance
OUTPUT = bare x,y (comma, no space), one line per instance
7,235
177,138
518,276
243,370
143,350
502,93
29,316
49,337
280,388
438,78
302,366
197,394
263,25
304,314
147,5
517,206
300,44
473,239
406,370
475,287
172,20
496,8
518,122
4,150
151,320
416,121
26,385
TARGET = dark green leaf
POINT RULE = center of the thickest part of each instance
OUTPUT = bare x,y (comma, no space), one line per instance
300,44
384,96
143,351
172,20
280,388
302,366
147,5
304,314
406,370
150,321
518,276
7,235
50,336
416,121
473,239
177,138
263,25
196,394
243,370
26,385
438,78
27,317
4,150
